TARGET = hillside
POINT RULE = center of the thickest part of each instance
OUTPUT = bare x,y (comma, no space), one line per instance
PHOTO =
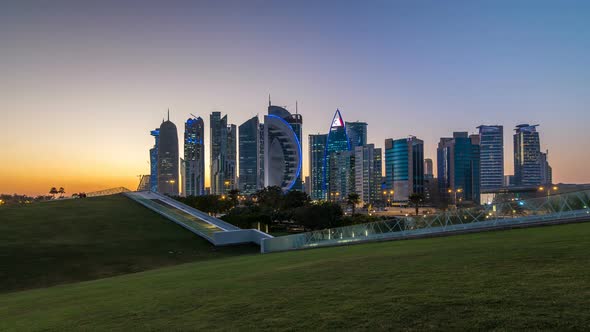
520,279
65,241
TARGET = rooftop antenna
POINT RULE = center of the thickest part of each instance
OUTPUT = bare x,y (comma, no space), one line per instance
296,108
193,115
269,104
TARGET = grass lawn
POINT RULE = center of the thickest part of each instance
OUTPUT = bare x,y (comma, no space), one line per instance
65,241
537,278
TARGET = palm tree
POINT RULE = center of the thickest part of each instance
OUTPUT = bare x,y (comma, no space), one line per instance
53,191
415,200
353,199
61,192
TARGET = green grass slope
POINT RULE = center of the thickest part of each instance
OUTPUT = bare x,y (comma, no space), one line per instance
72,240
530,279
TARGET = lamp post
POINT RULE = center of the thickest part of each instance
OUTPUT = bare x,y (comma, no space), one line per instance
548,190
455,191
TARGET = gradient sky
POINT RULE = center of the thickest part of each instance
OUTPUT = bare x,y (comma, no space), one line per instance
82,83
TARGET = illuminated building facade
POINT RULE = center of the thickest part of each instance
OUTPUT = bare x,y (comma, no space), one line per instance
154,160
168,159
317,154
194,157
404,167
336,141
491,154
527,156
249,159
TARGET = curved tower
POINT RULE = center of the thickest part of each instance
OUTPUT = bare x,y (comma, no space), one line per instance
282,149
337,141
168,159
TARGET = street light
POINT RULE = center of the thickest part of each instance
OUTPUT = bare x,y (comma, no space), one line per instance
458,190
548,189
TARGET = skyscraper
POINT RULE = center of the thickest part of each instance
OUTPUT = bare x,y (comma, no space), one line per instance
317,153
282,149
168,159
546,170
342,179
336,141
428,169
154,160
223,154
404,167
357,133
367,161
458,167
194,156
527,156
249,143
491,155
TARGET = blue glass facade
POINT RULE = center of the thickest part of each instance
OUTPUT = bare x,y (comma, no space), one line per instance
194,157
459,167
317,152
527,156
404,162
154,160
357,133
337,141
249,143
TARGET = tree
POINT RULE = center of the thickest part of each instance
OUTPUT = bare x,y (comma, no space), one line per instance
352,200
416,199
61,192
232,196
53,191
295,199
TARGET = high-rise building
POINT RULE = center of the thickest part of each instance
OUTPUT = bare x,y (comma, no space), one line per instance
428,169
458,168
282,149
223,154
527,156
194,156
368,174
546,170
261,156
168,159
491,154
317,153
154,160
336,141
404,167
357,133
182,178
342,179
250,166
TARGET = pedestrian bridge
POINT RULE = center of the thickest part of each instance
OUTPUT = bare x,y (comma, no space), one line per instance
555,209
214,230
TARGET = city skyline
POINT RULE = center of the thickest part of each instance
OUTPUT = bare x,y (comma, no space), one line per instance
71,99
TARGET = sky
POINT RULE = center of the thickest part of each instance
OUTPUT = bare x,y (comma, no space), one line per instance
83,82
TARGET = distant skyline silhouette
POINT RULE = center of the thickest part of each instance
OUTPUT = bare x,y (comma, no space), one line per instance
83,83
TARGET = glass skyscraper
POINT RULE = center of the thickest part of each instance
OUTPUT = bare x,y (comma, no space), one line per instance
194,157
337,140
168,159
223,154
317,148
368,174
458,167
357,133
154,160
527,156
404,167
342,179
282,149
249,143
491,155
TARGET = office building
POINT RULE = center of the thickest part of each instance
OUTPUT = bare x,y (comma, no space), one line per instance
194,157
168,159
357,133
527,156
154,160
491,154
368,174
317,153
428,169
250,166
282,149
458,168
404,167
336,141
223,154
342,179
546,170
